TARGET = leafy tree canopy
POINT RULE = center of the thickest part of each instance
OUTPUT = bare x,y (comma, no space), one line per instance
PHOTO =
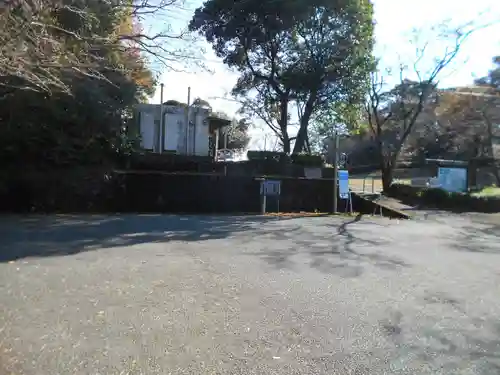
68,88
493,78
309,52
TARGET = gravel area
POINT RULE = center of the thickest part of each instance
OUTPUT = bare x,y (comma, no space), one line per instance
166,294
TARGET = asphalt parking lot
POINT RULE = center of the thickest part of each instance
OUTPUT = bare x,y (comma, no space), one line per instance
166,294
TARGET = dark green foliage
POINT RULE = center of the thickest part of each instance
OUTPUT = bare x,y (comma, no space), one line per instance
441,199
434,196
79,189
62,128
237,135
266,163
299,159
307,160
175,103
81,120
493,78
308,52
266,155
95,191
166,162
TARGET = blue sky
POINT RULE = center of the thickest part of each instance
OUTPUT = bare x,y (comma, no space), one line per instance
395,20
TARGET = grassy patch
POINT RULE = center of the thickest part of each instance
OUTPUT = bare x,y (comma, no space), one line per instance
490,191
487,200
357,183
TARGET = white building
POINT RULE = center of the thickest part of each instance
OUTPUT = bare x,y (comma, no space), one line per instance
199,138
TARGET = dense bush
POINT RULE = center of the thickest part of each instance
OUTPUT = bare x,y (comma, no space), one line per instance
99,190
83,189
304,160
434,196
266,155
166,162
441,199
307,160
362,169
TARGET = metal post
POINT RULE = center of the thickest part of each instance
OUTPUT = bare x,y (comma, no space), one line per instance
216,146
194,129
186,142
161,131
263,197
335,171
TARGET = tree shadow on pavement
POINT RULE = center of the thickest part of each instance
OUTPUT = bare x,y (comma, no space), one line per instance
479,238
42,236
449,350
339,251
348,249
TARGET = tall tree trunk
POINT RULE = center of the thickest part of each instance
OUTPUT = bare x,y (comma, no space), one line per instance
387,170
308,143
284,124
286,144
300,140
304,122
387,161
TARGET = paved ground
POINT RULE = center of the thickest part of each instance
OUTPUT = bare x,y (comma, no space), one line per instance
242,295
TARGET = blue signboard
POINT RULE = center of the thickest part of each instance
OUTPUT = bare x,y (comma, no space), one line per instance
453,179
270,187
343,177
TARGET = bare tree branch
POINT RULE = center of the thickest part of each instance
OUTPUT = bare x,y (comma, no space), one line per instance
37,53
392,114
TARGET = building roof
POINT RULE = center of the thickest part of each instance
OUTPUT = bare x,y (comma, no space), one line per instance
216,122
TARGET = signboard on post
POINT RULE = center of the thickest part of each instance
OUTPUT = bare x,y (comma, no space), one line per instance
343,178
269,188
453,179
343,160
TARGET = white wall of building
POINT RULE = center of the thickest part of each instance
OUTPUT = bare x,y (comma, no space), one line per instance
192,140
147,130
174,123
200,132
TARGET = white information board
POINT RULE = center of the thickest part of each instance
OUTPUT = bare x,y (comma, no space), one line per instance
453,179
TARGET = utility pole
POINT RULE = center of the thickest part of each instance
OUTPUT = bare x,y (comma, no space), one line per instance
188,119
225,137
335,170
161,130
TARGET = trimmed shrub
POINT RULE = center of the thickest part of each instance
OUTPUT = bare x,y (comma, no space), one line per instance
167,162
266,155
404,192
434,196
441,199
307,160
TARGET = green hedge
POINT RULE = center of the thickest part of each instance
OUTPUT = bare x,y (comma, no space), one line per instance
298,159
307,160
441,199
265,155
